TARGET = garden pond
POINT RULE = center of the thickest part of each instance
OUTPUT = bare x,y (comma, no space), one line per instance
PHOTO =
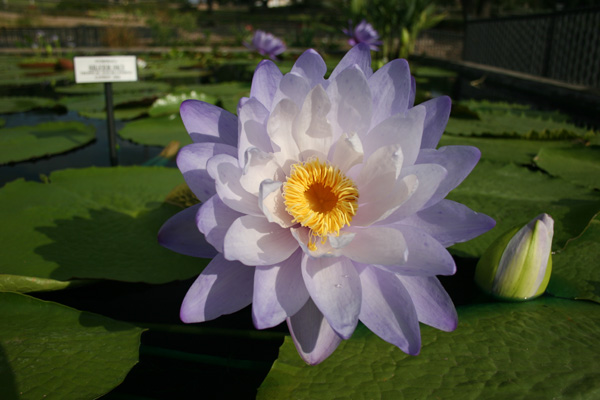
83,280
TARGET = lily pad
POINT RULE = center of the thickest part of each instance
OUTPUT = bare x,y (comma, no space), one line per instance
170,103
92,223
159,131
575,272
538,349
28,142
578,164
123,114
228,94
23,103
117,87
48,350
98,102
513,195
513,120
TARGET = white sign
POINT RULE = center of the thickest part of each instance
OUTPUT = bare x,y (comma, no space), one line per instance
105,69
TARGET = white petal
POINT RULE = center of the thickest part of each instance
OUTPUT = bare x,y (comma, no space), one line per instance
293,87
311,129
192,160
279,292
265,82
224,287
334,286
280,126
253,127
302,235
374,245
258,167
347,152
388,311
271,202
255,241
213,219
434,306
225,171
312,335
311,66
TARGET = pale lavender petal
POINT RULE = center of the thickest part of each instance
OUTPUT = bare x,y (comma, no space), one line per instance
213,219
192,160
459,161
265,82
313,337
413,91
311,66
388,311
293,87
256,241
426,256
450,222
438,112
253,127
334,286
434,306
390,90
358,55
211,294
225,171
180,234
279,292
208,123
377,245
312,131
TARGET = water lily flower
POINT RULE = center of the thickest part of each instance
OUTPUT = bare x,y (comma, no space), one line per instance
323,203
267,44
363,33
518,265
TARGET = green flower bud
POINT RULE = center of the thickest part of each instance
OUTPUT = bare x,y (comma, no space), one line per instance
518,264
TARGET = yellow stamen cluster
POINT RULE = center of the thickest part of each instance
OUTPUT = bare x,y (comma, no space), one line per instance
319,196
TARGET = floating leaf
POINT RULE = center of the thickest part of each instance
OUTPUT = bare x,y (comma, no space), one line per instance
117,87
48,350
28,142
513,195
97,103
159,131
538,349
92,223
122,114
22,103
228,94
575,272
576,164
26,284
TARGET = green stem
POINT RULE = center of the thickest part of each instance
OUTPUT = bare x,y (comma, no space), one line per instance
202,358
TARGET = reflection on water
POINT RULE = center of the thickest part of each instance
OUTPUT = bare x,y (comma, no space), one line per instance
94,154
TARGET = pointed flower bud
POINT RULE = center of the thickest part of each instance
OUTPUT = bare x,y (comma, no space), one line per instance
518,264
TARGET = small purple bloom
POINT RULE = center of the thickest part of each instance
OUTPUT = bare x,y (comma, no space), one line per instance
323,203
363,33
267,44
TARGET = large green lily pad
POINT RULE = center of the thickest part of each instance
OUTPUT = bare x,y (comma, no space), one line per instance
117,87
514,195
90,103
92,223
159,131
578,164
17,104
48,350
541,349
28,142
575,272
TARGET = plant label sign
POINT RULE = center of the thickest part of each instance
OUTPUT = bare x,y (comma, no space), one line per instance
105,69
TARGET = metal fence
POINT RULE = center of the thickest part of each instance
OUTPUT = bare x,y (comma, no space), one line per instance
564,45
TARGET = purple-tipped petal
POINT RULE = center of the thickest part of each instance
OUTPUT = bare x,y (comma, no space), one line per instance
265,82
311,66
450,222
256,241
358,55
192,160
434,306
334,286
213,219
253,127
459,161
438,112
211,294
388,311
279,292
312,335
208,123
390,89
377,245
180,234
413,91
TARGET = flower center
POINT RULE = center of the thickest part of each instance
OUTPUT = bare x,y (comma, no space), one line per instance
320,197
